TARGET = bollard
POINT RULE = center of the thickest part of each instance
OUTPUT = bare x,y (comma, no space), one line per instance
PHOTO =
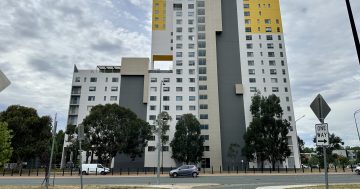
71,171
112,171
37,171
12,172
270,169
245,169
145,170
262,169
319,170
96,171
311,168
286,169
4,172
29,171
335,169
237,169
162,170
343,168
20,171
228,169
204,169
303,168
137,171
254,169
220,169
278,169
128,170
104,171
120,171
352,170
63,172
212,170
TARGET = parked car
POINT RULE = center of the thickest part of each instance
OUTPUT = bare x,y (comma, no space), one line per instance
304,166
314,166
95,169
357,170
185,170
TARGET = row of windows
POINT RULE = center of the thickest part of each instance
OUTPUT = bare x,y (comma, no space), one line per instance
112,98
93,88
273,80
271,62
246,6
273,89
268,37
270,54
153,148
178,98
178,80
268,45
267,29
271,71
266,21
94,79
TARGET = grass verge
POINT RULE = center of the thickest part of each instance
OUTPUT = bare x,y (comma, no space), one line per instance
337,186
78,187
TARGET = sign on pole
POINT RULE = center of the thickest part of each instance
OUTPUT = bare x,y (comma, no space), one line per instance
320,108
4,81
322,134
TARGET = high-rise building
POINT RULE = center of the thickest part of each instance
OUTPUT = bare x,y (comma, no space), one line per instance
221,53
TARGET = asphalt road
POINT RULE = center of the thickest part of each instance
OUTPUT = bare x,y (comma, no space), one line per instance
226,182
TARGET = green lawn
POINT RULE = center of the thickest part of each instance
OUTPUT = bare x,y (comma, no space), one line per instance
78,187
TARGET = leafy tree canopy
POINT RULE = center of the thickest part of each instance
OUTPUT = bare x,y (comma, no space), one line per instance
31,133
5,144
187,144
114,129
335,143
266,136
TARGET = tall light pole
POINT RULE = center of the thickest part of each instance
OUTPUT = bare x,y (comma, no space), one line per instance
353,28
52,152
357,129
159,140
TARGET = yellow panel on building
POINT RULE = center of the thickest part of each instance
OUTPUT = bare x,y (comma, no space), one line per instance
159,15
262,16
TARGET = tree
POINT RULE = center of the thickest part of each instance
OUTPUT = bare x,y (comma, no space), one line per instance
313,160
266,136
5,144
303,157
335,143
114,129
162,122
59,141
187,144
31,133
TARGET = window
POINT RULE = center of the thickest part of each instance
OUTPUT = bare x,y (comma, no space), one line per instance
288,108
91,98
190,21
153,80
192,107
178,89
179,29
283,71
201,12
202,70
203,106
191,46
152,98
282,63
251,71
269,37
252,80
202,87
204,127
178,117
201,19
93,79
250,54
206,148
178,13
191,54
287,99
166,89
247,21
249,45
114,88
178,21
286,89
252,89
152,107
166,80
177,6
77,79
247,29
84,79
284,80
179,98
201,3
280,46
179,37
201,27
192,98
271,54
203,97
267,21
205,137
274,80
290,118
275,89
270,45
191,13
178,71
179,46
178,54
191,37
268,29
251,63
178,108
191,80
201,44
246,13
166,98
92,88
165,148
152,138
272,63
272,71
246,6
166,107
249,37
178,80
204,116
151,148
191,71
279,37
115,79
179,62
202,78
281,54
202,61
191,89
191,62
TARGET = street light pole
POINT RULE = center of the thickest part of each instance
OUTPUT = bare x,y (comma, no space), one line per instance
357,129
159,138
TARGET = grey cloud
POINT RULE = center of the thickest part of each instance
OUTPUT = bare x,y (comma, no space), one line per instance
53,65
106,46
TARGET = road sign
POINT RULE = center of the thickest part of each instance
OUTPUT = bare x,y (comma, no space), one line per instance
320,107
322,134
4,81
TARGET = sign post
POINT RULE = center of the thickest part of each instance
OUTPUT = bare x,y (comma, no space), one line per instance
321,110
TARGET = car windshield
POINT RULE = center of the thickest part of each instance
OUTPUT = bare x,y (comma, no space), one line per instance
183,167
99,166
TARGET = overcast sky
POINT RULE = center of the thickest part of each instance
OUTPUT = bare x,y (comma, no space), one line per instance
41,40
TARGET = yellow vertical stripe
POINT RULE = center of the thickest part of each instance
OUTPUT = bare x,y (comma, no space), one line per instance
159,15
265,16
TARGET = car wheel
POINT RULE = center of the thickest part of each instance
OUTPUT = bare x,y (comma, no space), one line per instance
102,173
84,172
357,171
175,175
194,174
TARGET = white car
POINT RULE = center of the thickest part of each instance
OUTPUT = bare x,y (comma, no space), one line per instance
95,169
357,170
